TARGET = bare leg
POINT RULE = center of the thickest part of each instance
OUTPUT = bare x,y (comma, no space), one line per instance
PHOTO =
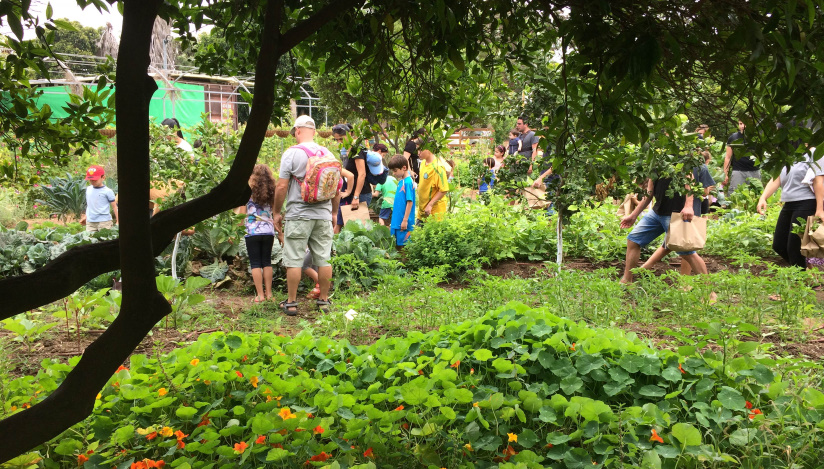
257,277
311,274
324,279
696,263
267,281
633,255
686,268
656,257
292,281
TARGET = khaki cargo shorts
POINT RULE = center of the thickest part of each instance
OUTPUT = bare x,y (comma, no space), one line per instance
300,233
95,226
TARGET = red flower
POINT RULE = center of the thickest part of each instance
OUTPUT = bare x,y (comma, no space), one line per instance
241,447
681,369
277,445
748,405
323,456
405,426
368,453
181,444
420,372
573,347
239,374
754,413
456,364
151,436
656,437
121,368
400,407
318,430
261,439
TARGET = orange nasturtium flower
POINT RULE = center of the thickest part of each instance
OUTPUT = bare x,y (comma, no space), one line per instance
468,447
148,464
573,347
286,414
400,407
323,456
254,381
368,453
151,436
166,431
241,447
81,459
474,404
162,392
456,364
318,430
512,437
748,404
121,368
239,374
194,362
681,369
656,437
261,439
754,413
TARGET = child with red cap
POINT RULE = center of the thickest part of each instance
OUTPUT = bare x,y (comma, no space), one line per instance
99,202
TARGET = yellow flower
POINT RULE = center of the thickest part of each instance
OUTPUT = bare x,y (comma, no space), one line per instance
167,432
206,381
512,437
286,414
194,362
468,447
145,431
162,392
254,381
474,404
98,396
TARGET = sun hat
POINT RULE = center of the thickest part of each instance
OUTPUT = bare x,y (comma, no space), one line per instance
374,161
303,121
95,172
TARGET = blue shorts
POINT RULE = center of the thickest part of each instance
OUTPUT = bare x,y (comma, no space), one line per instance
386,214
650,227
401,237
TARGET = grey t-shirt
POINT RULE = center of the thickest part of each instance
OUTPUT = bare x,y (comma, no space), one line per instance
792,187
527,140
293,165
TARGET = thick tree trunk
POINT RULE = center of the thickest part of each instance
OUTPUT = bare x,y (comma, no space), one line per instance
142,305
74,268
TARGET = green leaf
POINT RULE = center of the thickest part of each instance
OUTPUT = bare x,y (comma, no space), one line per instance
124,434
731,399
652,391
687,434
68,446
671,374
571,384
185,413
482,354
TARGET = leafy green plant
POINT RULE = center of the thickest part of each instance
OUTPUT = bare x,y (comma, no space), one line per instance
518,387
181,295
28,331
217,239
83,307
363,254
65,196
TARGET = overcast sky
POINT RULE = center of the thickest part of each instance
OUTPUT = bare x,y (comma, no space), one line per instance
89,16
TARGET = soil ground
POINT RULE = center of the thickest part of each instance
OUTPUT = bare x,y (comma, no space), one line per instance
233,306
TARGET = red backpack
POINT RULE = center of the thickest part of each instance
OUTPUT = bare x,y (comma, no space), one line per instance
323,177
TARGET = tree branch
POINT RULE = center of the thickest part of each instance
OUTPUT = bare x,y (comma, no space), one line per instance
301,31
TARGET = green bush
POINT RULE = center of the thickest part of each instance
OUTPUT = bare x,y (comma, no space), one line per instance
516,388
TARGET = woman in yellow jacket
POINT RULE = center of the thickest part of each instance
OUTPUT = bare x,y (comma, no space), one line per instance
433,184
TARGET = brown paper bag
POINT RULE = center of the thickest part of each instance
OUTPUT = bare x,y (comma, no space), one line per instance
809,248
535,198
686,236
362,213
818,234
627,206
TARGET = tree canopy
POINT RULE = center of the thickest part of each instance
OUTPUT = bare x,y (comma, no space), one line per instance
596,73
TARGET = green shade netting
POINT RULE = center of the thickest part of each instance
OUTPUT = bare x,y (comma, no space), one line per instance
187,107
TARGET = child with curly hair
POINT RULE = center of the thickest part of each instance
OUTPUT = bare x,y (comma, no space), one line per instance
260,230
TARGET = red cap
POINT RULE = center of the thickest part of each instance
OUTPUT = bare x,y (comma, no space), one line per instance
95,172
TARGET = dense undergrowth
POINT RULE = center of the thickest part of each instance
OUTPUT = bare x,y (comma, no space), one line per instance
518,387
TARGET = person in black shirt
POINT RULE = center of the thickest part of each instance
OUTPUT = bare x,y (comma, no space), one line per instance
656,223
743,167
529,142
410,152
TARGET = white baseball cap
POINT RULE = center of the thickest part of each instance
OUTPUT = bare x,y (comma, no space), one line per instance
303,121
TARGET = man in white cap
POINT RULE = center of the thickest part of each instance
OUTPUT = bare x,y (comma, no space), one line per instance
305,223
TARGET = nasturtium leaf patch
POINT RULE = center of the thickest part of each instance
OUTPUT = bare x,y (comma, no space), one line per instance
762,374
571,384
671,374
502,365
687,434
652,390
527,438
731,399
482,354
185,413
234,341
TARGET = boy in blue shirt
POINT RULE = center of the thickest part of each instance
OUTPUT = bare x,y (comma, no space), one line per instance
99,202
403,210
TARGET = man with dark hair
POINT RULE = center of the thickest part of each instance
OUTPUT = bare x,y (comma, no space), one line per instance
529,141
743,167
410,152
